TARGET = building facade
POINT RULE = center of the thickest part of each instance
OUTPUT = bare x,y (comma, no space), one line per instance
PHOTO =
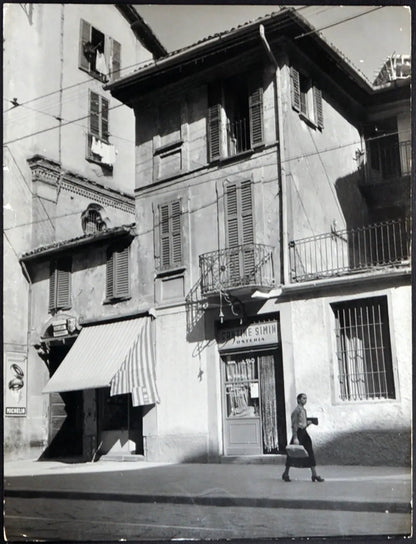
272,197
69,166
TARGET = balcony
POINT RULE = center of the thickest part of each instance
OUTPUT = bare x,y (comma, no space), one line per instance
243,268
388,160
351,251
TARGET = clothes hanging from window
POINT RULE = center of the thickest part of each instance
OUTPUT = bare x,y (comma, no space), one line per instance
108,154
97,146
100,64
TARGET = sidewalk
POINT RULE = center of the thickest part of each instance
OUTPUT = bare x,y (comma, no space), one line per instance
350,488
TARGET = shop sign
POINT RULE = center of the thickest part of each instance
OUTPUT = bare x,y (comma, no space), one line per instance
255,334
15,401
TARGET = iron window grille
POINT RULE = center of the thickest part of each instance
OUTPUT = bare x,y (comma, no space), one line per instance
365,370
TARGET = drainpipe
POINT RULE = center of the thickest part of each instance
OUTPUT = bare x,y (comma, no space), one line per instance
284,253
29,309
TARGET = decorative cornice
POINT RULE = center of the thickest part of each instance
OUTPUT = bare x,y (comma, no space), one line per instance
50,172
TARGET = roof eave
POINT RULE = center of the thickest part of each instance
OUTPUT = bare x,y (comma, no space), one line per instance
71,244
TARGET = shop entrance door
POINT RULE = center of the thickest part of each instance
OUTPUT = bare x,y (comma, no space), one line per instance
253,394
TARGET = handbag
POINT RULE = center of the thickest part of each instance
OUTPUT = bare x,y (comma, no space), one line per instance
294,450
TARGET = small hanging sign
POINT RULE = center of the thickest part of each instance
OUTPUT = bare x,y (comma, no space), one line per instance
254,334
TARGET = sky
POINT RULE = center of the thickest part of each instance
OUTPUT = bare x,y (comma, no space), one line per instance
366,40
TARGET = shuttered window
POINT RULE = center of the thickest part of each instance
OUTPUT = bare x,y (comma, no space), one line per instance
170,235
117,273
99,54
99,116
306,98
240,229
60,284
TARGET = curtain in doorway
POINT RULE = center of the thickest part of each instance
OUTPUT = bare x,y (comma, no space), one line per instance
268,402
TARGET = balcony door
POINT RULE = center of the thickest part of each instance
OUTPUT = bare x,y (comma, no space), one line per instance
239,269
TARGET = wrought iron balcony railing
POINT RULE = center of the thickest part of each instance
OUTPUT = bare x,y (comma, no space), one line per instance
238,136
387,160
349,251
247,265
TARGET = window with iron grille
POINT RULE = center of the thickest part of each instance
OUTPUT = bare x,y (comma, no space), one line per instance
99,55
363,349
235,116
117,273
306,98
60,284
170,235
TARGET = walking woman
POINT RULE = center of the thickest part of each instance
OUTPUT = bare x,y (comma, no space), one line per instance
301,436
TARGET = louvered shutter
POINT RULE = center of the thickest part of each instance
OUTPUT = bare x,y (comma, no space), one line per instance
115,64
104,118
317,100
52,287
164,236
295,88
233,239
85,33
94,114
63,283
121,272
109,279
176,232
256,117
214,132
247,235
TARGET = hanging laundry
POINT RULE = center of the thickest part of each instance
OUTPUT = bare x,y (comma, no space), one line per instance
100,64
96,146
109,154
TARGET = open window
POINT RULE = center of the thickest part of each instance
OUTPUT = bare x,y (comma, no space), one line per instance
99,55
235,116
306,98
99,148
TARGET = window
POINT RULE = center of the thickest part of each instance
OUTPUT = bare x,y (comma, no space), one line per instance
306,98
240,231
92,221
240,129
170,235
60,284
99,55
363,349
117,273
99,148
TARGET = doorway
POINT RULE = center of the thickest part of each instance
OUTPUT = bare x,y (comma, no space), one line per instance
253,403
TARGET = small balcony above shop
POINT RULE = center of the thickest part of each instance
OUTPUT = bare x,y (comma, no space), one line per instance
343,252
241,269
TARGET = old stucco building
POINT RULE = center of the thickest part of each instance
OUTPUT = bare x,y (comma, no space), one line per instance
68,171
272,194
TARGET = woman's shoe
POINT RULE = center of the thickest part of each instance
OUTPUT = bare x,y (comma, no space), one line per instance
286,478
317,479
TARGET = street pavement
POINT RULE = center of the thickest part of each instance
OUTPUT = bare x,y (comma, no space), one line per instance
109,500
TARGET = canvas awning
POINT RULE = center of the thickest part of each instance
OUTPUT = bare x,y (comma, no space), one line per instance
119,355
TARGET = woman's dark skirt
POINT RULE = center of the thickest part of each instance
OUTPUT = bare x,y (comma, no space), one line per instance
302,462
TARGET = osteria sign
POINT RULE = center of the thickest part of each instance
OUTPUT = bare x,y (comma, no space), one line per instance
254,334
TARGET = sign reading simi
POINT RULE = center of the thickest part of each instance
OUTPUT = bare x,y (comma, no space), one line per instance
255,334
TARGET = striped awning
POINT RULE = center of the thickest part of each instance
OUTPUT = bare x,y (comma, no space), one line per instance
119,355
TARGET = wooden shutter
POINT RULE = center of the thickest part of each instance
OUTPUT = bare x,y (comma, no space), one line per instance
214,132
121,272
176,232
94,114
63,283
104,118
247,235
317,101
164,236
109,278
295,88
52,287
256,117
115,64
232,216
85,36
170,234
